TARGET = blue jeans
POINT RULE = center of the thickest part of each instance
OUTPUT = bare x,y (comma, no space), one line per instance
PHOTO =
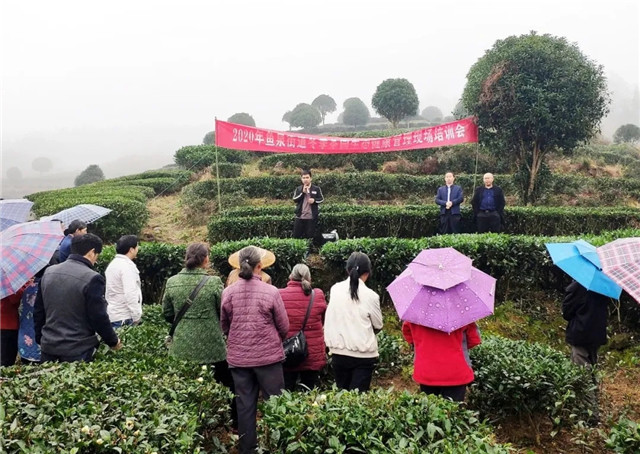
87,357
120,323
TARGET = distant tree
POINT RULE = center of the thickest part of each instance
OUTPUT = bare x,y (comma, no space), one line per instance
13,174
627,133
209,138
242,118
42,164
432,113
395,99
459,112
340,118
287,118
91,174
305,116
533,95
325,104
355,112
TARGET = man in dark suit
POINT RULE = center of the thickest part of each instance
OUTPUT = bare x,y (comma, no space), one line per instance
449,197
488,206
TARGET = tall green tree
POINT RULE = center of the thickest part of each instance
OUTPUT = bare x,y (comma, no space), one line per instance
355,112
325,104
627,133
91,174
242,118
209,138
533,95
432,113
305,116
287,118
395,99
459,112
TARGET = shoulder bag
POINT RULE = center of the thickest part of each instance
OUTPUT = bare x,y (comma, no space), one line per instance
295,347
168,340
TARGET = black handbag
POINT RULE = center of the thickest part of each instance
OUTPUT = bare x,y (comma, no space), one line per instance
168,340
295,347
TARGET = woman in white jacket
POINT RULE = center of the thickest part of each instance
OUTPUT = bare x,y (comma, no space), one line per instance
352,320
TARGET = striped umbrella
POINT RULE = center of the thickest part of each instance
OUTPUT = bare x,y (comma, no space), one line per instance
620,261
86,212
14,211
25,250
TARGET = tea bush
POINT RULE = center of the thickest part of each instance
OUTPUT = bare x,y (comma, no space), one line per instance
379,421
416,221
624,436
227,170
136,400
198,157
522,379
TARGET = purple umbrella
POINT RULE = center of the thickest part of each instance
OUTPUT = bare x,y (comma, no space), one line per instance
444,310
441,267
26,249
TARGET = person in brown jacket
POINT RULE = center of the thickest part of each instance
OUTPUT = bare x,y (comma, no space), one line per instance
255,322
296,298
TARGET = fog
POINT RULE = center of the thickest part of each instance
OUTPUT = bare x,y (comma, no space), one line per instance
125,84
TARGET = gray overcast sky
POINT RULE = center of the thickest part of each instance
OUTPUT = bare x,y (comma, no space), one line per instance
88,82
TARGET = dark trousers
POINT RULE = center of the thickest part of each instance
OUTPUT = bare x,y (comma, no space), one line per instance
86,356
308,380
304,228
489,221
222,374
455,393
353,373
248,381
8,346
449,223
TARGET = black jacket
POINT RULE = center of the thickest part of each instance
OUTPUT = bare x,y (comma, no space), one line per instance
70,309
498,199
315,193
586,312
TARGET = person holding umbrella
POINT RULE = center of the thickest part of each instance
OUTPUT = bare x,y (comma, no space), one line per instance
441,363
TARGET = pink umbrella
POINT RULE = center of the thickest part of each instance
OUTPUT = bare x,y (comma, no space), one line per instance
441,267
444,310
620,260
26,249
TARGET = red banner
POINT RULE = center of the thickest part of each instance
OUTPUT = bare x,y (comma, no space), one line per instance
240,137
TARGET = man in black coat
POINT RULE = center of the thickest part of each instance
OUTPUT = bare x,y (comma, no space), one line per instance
586,312
488,206
307,198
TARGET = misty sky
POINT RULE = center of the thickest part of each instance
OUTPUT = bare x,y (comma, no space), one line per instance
94,82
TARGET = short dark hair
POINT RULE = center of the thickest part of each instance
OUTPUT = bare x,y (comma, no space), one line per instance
125,243
305,172
75,225
84,243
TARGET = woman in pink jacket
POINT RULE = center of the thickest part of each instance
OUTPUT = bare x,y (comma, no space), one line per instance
255,322
296,297
441,364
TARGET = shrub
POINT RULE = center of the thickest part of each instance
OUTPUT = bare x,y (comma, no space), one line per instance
624,436
522,379
198,157
137,400
378,421
227,170
416,221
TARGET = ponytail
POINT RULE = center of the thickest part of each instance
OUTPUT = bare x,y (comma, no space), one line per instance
357,265
301,273
249,257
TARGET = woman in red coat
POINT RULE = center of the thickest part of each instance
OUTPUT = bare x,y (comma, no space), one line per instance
296,298
441,364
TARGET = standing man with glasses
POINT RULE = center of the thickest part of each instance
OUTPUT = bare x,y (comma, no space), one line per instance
449,197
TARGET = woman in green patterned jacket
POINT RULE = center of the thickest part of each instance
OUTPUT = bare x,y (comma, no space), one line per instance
198,337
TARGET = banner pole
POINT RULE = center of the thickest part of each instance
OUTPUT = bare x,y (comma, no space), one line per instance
475,173
218,172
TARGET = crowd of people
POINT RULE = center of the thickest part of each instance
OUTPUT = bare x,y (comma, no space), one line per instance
238,328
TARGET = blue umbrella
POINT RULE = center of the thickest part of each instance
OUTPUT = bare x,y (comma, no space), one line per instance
580,261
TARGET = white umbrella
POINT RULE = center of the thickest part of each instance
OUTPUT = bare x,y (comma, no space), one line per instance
85,212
